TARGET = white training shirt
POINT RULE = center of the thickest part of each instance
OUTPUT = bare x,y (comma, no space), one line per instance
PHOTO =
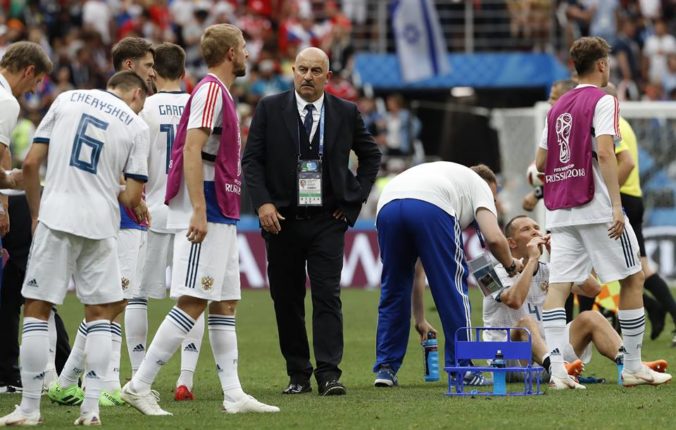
496,314
205,112
454,188
94,137
162,112
599,209
9,107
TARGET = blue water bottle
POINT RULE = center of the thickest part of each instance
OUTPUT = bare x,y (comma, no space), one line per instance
619,362
431,355
499,377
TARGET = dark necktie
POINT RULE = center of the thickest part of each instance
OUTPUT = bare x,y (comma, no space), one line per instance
307,122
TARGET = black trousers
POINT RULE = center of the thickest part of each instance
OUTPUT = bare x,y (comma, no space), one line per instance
317,242
17,242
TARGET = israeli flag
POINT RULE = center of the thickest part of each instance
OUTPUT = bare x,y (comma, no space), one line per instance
420,42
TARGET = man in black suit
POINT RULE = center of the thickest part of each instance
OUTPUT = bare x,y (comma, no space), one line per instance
296,166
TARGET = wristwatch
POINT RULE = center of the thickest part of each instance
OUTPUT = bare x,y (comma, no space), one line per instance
538,192
511,270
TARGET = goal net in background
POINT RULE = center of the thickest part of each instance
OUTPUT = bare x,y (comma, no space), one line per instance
655,126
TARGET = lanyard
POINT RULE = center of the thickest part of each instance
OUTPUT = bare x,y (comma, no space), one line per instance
320,129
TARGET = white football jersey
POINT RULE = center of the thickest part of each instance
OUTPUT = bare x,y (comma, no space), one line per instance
94,137
162,112
497,314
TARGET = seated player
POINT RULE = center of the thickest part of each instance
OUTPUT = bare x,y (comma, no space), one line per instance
520,305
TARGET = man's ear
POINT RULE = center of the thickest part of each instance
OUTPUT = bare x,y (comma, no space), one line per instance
511,242
29,71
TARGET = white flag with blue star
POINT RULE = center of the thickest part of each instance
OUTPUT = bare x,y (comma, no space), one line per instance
420,42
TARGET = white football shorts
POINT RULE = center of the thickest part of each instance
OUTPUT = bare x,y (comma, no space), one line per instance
207,270
159,254
57,256
579,248
131,251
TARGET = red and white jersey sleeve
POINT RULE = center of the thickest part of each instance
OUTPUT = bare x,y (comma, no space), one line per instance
206,107
607,118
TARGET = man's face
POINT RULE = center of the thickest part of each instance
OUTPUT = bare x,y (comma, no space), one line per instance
522,231
29,81
310,74
239,60
606,71
144,67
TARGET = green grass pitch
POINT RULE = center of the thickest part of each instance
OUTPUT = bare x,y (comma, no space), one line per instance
413,405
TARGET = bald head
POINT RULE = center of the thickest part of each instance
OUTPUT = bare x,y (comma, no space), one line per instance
311,73
313,54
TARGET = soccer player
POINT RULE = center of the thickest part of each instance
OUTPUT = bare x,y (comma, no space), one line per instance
162,113
584,212
89,139
136,55
520,305
203,193
22,68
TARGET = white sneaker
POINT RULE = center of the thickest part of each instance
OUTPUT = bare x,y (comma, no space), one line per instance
247,404
18,418
144,403
88,420
564,383
644,376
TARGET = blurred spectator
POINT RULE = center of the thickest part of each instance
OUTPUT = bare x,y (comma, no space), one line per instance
627,52
268,81
604,16
355,10
338,44
97,15
341,87
656,50
669,80
403,128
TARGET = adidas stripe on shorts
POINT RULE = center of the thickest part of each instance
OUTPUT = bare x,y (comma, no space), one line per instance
579,248
207,270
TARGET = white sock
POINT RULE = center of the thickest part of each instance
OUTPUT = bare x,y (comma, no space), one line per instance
33,355
190,353
554,324
632,323
136,331
75,364
98,351
223,339
50,371
113,377
168,338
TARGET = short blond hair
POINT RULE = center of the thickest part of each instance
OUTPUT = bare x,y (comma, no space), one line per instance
217,40
20,55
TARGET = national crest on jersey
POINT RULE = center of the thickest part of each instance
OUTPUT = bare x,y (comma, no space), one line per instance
94,137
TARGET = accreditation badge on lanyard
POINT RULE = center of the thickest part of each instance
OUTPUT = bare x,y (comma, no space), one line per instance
309,173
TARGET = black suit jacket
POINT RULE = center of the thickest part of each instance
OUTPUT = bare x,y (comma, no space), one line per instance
271,154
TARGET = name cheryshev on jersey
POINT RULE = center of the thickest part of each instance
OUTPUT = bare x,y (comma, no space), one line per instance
97,103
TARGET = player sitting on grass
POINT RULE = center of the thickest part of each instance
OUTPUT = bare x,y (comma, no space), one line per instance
520,305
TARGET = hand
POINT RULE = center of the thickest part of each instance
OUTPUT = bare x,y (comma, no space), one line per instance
14,179
529,201
548,243
339,215
269,218
142,213
4,221
197,230
423,327
514,268
617,227
535,248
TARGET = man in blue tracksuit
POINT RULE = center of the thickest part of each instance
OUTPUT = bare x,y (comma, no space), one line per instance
422,213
